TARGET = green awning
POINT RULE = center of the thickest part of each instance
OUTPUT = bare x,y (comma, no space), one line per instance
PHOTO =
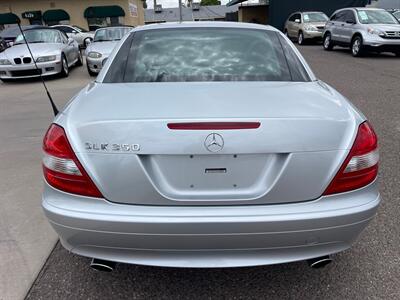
55,15
104,11
233,2
32,15
9,18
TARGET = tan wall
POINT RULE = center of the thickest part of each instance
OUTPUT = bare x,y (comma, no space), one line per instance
75,9
253,14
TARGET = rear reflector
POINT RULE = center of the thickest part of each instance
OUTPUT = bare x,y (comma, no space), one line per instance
61,167
361,165
214,125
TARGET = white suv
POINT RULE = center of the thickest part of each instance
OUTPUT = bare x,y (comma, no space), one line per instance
363,29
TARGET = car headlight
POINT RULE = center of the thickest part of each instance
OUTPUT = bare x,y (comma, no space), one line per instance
93,54
46,58
4,62
375,31
310,28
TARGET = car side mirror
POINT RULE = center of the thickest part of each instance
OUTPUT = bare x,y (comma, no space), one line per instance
70,41
298,21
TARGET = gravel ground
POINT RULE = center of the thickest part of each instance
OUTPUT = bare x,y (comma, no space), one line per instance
370,270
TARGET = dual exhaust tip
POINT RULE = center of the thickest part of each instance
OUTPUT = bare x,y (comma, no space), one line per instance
109,266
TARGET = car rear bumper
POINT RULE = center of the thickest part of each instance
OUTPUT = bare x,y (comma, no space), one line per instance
29,70
219,236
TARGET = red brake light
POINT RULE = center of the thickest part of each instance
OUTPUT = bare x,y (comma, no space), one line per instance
361,165
62,169
214,125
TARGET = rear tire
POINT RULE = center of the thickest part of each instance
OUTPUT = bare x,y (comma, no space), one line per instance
300,39
64,67
357,48
327,42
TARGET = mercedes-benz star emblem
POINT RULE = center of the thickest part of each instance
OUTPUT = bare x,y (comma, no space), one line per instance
214,142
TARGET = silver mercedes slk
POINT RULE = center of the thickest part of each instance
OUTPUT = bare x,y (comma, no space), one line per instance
105,39
53,52
209,144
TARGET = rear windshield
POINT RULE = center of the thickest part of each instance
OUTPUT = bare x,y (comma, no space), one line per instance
202,54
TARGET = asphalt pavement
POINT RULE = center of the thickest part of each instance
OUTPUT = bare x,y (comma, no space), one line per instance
369,270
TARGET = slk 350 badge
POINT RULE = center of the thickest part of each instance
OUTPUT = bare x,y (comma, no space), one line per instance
106,147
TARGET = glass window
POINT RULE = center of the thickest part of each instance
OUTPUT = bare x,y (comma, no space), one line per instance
111,34
350,17
197,54
96,23
79,29
292,18
39,36
314,17
376,17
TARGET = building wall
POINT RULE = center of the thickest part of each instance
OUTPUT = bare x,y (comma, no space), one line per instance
253,14
75,8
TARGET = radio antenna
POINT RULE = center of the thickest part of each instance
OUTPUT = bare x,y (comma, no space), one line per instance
53,105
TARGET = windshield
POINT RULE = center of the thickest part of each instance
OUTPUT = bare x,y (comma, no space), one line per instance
314,17
110,34
39,36
77,28
201,54
376,17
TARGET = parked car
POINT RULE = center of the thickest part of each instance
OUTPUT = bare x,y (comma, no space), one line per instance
396,13
305,26
53,52
235,155
10,33
77,33
103,43
363,29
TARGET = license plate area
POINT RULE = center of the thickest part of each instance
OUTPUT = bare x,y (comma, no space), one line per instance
213,177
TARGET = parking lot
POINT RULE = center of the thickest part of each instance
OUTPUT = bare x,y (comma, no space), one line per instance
370,270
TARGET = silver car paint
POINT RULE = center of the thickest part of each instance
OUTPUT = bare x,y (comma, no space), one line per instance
159,211
70,49
343,32
105,48
293,28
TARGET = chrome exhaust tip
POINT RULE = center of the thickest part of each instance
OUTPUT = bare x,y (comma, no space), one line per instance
319,262
102,265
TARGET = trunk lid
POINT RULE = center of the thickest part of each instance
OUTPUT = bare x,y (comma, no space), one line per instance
120,134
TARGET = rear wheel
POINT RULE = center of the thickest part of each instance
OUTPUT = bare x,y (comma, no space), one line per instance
328,45
300,38
357,47
64,67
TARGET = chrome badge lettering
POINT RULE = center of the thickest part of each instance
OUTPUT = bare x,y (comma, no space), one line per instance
106,147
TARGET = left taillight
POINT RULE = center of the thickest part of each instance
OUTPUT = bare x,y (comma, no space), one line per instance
61,167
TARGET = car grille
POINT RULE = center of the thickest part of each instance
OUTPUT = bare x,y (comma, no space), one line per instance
21,73
25,60
392,35
321,27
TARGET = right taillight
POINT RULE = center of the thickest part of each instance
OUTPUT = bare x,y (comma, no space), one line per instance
61,167
361,165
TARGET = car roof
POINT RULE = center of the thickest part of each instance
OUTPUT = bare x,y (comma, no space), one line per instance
204,24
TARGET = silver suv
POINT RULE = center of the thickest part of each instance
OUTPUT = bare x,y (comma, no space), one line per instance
305,26
363,29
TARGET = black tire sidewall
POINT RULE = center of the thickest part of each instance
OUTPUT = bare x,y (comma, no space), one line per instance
64,73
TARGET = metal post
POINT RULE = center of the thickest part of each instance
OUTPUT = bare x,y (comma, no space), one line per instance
180,11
